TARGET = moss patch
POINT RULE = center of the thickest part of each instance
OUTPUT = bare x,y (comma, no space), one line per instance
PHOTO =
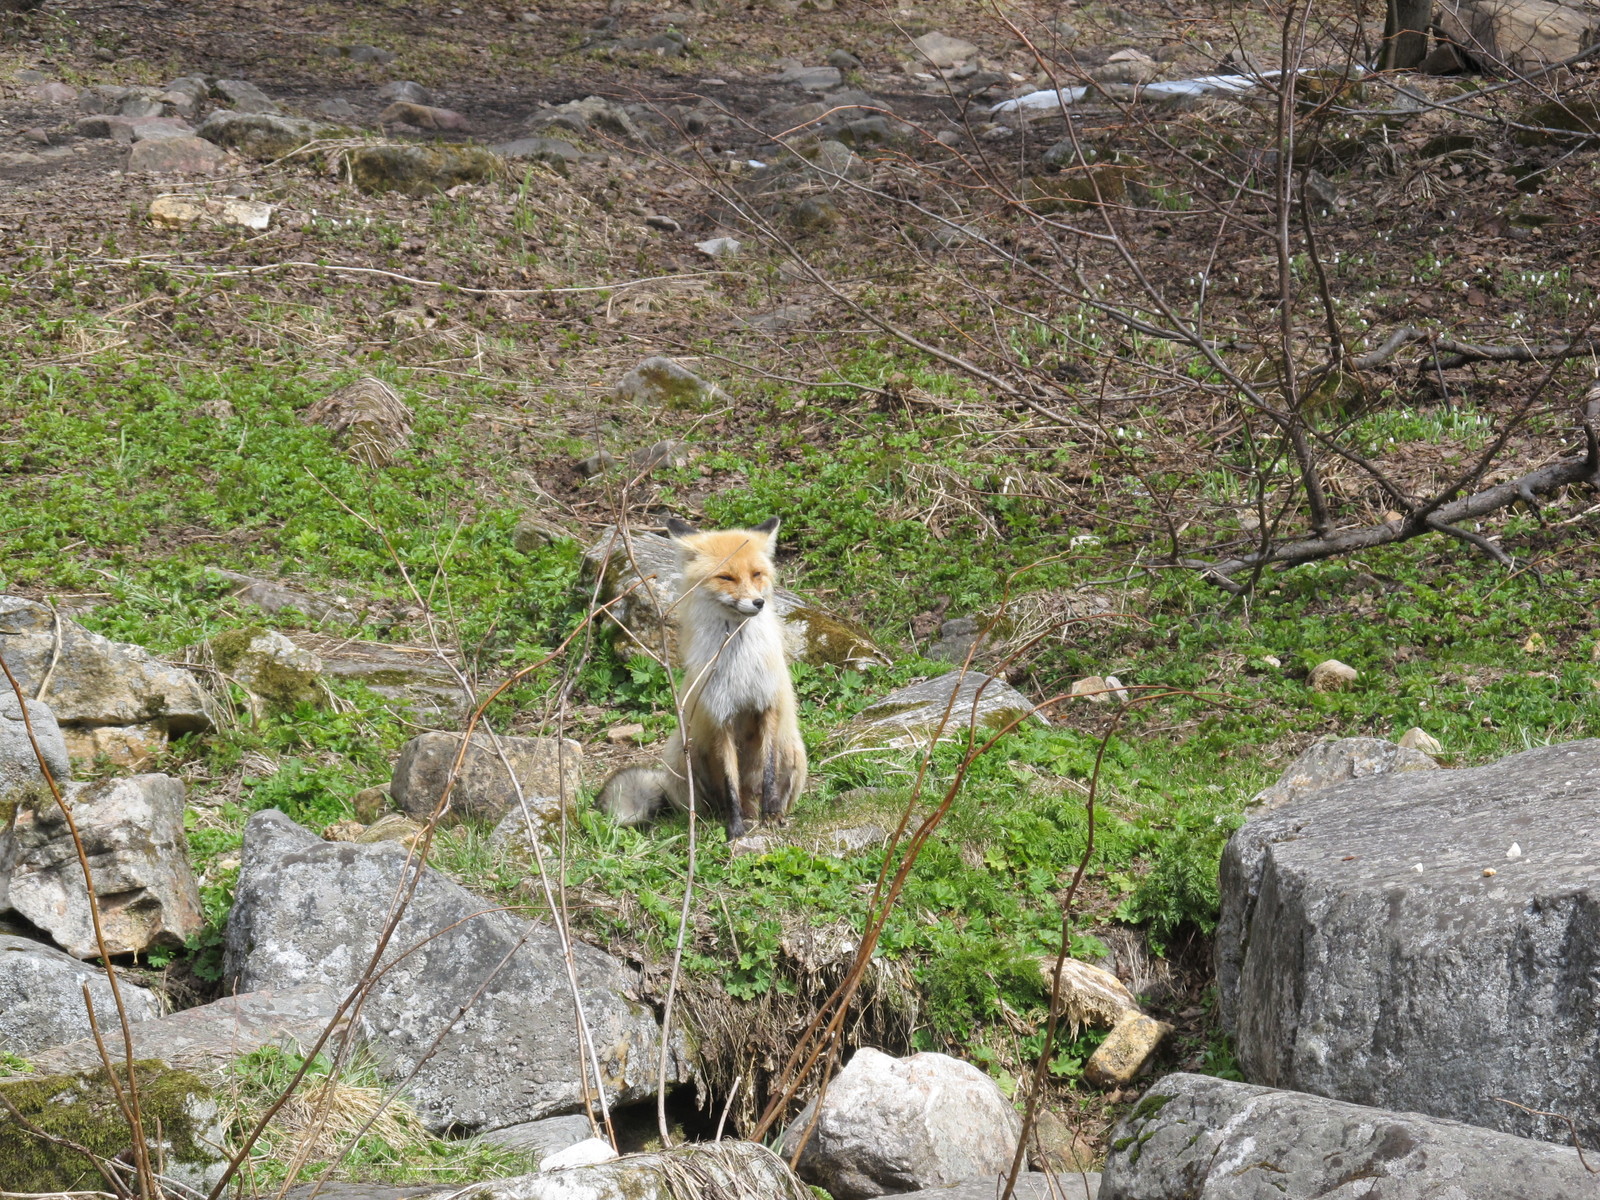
421,170
179,1115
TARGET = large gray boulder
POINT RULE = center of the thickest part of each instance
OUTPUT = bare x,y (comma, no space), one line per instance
98,688
132,834
1196,1138
890,1125
41,998
1425,941
708,1169
543,768
312,912
19,765
640,573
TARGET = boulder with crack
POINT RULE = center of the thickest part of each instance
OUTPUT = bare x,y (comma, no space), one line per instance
473,1010
132,834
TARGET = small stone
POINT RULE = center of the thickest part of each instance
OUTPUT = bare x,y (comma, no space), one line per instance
243,96
39,137
1514,852
811,79
539,149
942,50
625,733
336,106
1272,660
421,116
55,93
1417,867
843,60
1488,871
368,54
533,534
421,170
370,803
597,463
391,827
1419,739
664,223
1093,689
719,247
1127,1048
1331,675
176,156
483,790
140,106
405,89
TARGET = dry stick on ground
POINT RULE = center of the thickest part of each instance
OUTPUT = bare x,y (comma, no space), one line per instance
1571,1127
127,1103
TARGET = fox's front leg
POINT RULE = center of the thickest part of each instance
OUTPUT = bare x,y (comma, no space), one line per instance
717,777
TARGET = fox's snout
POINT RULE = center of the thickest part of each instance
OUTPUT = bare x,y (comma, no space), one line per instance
747,605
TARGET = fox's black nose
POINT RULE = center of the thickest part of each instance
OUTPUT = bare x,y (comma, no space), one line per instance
758,602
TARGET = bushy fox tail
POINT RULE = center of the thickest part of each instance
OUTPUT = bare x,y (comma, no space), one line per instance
635,794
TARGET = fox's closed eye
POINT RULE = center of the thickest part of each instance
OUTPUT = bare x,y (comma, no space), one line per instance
727,579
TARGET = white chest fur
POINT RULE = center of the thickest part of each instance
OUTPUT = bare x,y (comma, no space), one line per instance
732,664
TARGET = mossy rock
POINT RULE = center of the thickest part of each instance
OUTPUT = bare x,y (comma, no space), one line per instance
421,170
278,674
264,135
180,1116
1082,188
1564,123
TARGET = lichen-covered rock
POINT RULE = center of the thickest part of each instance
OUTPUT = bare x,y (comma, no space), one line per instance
182,1126
544,769
92,682
41,998
262,135
421,170
646,599
132,832
278,675
947,705
1193,1137
1132,1042
1380,943
1337,761
19,764
700,1169
311,912
663,382
891,1125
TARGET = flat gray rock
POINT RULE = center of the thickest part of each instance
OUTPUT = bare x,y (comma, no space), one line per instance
212,1034
947,705
1339,760
542,768
19,763
540,1139
1196,1138
311,912
41,1000
1382,943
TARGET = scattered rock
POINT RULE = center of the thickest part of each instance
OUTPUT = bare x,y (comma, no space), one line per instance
102,98
587,1153
278,675
1193,1137
209,1036
665,383
1054,1145
811,79
893,1125
101,691
180,212
719,247
591,114
309,911
128,130
942,50
810,634
910,716
421,116
260,135
41,999
542,767
182,1126
843,61
541,1139
367,54
1093,688
140,106
1337,761
1331,675
412,680
1344,969
1421,740
243,96
37,135
518,831
1132,1042
390,827
19,764
534,533
271,596
539,149
407,90
337,107
421,170
55,92
132,833
367,418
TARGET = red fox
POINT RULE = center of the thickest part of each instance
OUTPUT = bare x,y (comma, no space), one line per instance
740,736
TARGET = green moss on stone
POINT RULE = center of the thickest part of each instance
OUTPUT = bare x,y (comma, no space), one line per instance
1149,1107
177,1108
421,170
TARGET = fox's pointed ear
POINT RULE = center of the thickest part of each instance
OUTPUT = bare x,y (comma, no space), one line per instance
769,527
680,529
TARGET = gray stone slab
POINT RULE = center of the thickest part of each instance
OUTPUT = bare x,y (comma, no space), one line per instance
1196,1138
1378,945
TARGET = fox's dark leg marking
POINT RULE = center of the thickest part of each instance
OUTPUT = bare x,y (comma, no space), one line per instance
772,807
